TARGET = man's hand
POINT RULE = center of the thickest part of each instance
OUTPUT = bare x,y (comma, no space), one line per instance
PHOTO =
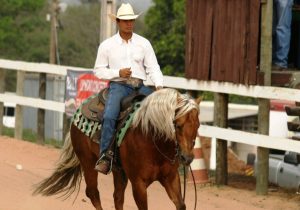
125,73
159,87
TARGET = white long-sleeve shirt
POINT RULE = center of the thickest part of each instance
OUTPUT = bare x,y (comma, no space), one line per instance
115,53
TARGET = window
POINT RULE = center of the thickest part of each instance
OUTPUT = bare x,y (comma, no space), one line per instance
9,111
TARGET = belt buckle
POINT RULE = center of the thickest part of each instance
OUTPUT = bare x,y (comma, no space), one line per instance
134,82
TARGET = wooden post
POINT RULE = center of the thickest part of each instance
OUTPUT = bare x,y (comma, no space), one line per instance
221,120
41,112
2,87
107,26
66,126
53,19
263,153
264,104
19,108
43,76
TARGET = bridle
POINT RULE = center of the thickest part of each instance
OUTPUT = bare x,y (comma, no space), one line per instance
177,150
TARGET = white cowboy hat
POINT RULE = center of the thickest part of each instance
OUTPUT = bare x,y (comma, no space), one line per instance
125,12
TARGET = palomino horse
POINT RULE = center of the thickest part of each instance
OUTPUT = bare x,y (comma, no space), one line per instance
161,136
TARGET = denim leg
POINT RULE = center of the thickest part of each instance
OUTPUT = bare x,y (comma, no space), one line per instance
111,113
145,90
282,31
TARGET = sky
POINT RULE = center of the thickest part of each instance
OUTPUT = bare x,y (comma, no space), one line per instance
138,5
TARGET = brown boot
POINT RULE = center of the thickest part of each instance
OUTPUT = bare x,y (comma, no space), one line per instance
104,165
278,68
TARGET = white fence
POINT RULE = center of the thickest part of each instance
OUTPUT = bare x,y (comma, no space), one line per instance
180,83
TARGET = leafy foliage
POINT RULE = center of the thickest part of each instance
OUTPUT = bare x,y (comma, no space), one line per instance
23,30
165,22
24,33
79,36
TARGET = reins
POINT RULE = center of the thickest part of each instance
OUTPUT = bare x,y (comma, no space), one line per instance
184,185
195,204
184,171
165,156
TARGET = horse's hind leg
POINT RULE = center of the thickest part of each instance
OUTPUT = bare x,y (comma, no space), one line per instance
91,190
172,186
120,183
87,162
91,180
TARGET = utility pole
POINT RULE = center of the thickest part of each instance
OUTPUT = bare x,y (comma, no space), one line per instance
43,77
107,26
53,38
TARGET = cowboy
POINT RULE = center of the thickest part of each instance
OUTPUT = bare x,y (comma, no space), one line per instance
124,59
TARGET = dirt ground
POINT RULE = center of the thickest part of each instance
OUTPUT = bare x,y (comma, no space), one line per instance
23,164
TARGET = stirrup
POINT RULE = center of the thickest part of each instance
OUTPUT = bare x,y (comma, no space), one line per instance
106,161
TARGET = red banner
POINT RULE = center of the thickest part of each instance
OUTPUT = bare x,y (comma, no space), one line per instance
79,86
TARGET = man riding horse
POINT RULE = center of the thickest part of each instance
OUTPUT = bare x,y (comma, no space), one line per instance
124,59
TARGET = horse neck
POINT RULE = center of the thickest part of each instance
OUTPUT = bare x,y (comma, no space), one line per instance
167,147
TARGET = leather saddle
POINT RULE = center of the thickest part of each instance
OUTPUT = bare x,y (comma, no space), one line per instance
93,109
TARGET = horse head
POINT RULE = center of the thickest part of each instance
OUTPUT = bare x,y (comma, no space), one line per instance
186,126
167,114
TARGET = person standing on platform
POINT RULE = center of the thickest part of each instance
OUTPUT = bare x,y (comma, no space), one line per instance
282,19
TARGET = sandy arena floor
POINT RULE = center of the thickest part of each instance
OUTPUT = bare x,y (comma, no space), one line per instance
38,161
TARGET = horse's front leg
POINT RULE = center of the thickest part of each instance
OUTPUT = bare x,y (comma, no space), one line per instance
172,185
139,190
120,183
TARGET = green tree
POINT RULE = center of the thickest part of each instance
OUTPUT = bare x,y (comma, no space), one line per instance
79,36
165,22
24,33
23,30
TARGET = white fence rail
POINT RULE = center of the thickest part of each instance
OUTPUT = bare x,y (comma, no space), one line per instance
250,138
174,82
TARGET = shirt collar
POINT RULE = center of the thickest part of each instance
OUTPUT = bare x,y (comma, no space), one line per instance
120,40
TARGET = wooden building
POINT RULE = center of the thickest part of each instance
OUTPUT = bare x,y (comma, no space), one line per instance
223,43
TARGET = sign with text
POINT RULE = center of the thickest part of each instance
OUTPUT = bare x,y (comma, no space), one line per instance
79,86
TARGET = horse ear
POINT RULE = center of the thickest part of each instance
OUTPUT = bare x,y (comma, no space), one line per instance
198,100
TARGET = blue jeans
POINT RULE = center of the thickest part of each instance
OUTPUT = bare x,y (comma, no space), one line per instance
282,19
116,93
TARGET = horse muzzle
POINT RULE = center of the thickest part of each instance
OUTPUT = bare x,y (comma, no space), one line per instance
186,159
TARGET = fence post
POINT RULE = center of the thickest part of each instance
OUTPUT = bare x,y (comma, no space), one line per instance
2,87
19,108
221,120
66,126
264,104
41,112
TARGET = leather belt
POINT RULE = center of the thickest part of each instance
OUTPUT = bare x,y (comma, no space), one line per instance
134,82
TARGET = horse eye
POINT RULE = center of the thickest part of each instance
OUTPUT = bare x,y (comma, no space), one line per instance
179,127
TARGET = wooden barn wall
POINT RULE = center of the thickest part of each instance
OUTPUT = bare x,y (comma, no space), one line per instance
222,40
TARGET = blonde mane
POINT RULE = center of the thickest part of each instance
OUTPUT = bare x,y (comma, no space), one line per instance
157,112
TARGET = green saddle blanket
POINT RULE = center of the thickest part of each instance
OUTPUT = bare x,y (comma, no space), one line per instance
90,128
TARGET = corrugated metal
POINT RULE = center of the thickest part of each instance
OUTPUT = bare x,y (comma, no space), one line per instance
222,40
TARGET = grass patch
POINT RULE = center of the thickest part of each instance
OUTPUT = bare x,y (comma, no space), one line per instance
31,136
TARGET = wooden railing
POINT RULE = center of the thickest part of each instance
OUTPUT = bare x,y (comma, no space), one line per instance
223,134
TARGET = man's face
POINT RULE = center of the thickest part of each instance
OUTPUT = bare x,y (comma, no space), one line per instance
126,26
